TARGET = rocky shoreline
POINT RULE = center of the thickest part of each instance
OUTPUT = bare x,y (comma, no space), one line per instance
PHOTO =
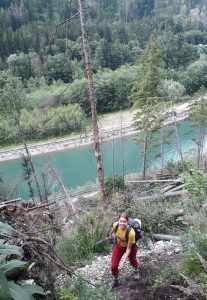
107,132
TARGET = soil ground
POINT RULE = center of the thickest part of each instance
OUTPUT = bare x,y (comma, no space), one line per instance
151,267
153,263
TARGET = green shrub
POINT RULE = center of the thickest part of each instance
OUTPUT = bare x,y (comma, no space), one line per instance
202,281
11,267
114,184
194,244
86,292
158,283
161,279
175,168
191,264
195,184
154,216
66,294
82,245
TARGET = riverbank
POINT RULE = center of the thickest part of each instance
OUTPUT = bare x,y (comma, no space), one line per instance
111,126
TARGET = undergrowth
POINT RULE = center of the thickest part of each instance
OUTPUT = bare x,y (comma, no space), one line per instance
191,276
82,245
82,291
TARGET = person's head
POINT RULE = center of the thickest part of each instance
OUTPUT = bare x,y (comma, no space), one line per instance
123,220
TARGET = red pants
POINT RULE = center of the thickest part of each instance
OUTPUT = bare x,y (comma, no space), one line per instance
117,254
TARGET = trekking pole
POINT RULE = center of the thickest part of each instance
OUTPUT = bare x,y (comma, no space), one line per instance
111,241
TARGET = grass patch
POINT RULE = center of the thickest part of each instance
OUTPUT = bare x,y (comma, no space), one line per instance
80,290
82,245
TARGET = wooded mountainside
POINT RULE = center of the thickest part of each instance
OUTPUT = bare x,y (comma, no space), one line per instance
45,56
146,54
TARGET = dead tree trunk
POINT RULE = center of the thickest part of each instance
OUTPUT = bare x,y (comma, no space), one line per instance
145,157
161,150
200,142
126,10
122,148
113,167
63,188
179,145
177,138
27,152
92,99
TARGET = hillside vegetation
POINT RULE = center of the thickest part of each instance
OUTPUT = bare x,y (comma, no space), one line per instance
42,68
148,55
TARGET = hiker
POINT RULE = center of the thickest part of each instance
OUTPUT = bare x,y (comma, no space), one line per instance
124,248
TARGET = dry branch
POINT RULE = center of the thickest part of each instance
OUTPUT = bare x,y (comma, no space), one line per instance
181,289
69,19
39,206
203,262
10,201
63,188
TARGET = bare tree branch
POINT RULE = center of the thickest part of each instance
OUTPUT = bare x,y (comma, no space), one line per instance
69,19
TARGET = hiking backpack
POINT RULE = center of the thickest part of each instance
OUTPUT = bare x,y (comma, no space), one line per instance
136,225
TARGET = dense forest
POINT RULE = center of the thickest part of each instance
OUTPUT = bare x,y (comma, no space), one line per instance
42,69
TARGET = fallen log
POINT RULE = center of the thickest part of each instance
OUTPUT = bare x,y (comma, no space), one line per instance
164,237
11,201
154,180
174,194
177,188
39,206
168,187
176,213
166,195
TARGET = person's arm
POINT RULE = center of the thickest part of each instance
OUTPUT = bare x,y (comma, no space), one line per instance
126,255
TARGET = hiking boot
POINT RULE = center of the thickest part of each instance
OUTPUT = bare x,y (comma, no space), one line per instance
136,274
113,283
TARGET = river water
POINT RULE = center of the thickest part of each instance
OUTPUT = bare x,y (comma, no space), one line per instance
78,167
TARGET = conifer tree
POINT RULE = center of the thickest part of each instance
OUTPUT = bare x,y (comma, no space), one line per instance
144,91
145,96
198,115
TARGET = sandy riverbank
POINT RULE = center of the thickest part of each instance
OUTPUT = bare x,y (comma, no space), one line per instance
113,125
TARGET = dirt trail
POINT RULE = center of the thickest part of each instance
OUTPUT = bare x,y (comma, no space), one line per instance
152,264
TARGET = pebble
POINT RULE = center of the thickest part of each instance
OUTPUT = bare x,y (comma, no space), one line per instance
99,271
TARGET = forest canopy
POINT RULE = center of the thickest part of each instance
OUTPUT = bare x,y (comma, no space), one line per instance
44,55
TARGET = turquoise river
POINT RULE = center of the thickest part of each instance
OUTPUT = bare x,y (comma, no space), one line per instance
77,167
